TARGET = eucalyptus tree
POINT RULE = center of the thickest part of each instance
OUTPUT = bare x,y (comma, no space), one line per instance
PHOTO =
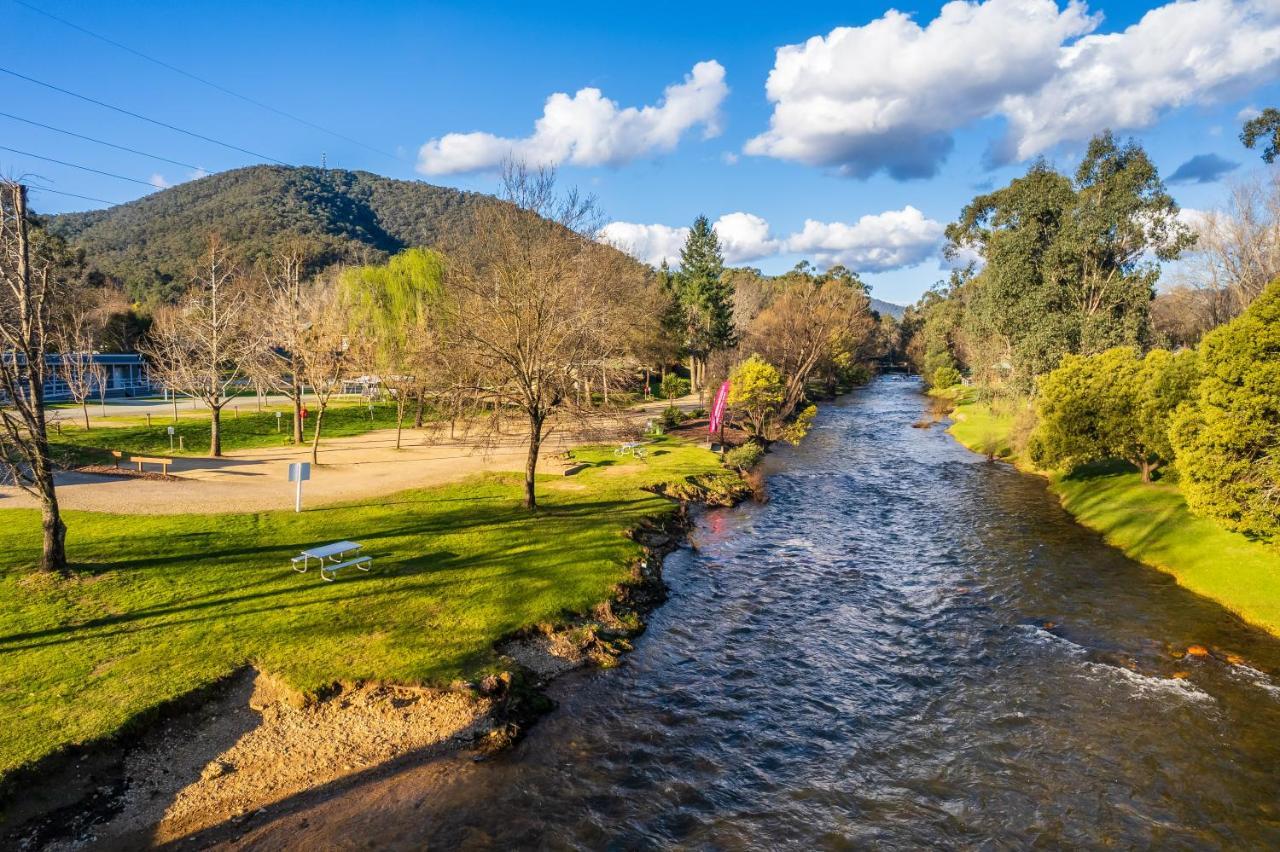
1265,128
1070,264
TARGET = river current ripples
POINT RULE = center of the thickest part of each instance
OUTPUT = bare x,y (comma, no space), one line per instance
905,646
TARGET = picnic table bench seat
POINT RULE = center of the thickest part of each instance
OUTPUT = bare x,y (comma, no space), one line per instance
330,572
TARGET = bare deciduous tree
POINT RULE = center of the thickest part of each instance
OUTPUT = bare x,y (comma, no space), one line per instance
200,346
532,302
286,312
1236,256
34,279
812,323
75,340
322,349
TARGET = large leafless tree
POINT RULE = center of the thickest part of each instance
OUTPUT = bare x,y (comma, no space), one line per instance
201,346
34,279
533,302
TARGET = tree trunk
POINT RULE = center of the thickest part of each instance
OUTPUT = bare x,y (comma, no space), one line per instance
399,417
531,464
418,415
693,373
84,408
297,414
215,430
604,383
315,437
53,556
1146,468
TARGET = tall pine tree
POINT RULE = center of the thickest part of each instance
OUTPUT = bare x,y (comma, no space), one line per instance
704,297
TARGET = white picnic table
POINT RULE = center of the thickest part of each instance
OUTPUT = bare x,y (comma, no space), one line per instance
328,551
631,448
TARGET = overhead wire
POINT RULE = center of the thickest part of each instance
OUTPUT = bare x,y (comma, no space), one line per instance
78,166
204,81
72,195
100,141
142,117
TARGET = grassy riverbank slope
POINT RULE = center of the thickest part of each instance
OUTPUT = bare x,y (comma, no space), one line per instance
1149,522
159,606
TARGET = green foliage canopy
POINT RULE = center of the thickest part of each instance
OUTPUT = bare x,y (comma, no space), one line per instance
1266,128
1067,268
1111,405
1228,444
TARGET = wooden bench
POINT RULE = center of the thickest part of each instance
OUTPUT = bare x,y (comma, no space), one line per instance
118,456
330,572
164,463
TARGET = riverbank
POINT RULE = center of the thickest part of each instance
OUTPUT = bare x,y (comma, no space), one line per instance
1149,522
163,612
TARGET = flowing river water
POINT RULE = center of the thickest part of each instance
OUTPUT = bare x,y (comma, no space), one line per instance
905,646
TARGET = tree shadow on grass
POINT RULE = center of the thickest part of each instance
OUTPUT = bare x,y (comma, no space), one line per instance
71,793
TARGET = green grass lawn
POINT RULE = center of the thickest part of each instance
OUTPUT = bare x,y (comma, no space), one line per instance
1149,522
1152,524
161,605
247,430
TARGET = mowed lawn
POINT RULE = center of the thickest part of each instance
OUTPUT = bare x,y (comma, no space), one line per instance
250,429
1150,522
159,606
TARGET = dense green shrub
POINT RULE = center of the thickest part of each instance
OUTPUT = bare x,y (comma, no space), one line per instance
671,417
745,457
1112,405
945,377
1228,443
673,386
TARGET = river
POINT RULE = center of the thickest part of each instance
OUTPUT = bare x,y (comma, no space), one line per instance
905,646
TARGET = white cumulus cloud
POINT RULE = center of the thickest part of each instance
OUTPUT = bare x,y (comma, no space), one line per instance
157,180
875,243
650,243
1178,54
745,237
889,94
588,129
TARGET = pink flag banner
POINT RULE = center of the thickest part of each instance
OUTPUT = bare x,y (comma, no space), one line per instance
717,410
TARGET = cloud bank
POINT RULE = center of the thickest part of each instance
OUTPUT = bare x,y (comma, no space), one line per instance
882,242
588,129
888,95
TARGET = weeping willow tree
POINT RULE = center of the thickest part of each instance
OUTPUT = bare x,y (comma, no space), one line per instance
392,311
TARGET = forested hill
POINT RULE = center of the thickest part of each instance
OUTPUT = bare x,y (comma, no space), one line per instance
882,307
151,245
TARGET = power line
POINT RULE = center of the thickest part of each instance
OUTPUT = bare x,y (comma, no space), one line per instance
204,81
77,166
73,195
100,141
143,117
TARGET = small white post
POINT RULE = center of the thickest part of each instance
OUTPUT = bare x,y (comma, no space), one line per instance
298,471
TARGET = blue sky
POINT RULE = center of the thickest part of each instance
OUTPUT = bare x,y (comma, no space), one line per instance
997,80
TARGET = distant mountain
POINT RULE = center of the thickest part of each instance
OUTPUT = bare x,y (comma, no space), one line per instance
152,245
882,307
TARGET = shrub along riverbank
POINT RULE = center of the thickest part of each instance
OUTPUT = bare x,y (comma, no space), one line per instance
156,607
1150,522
